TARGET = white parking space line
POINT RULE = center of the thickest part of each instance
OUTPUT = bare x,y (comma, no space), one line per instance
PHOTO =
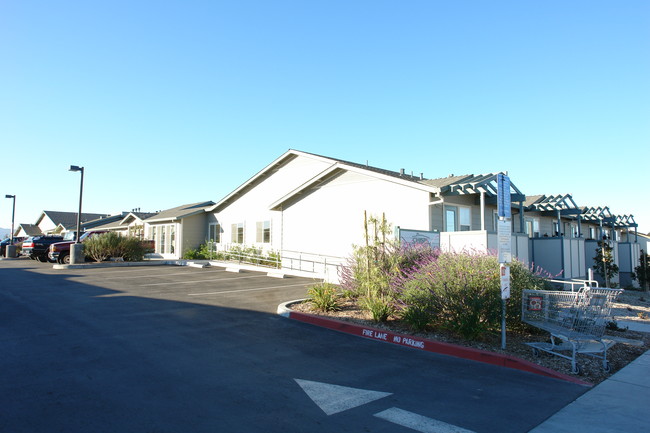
246,290
164,275
172,283
418,422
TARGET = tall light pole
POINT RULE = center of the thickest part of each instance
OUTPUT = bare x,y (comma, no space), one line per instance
76,250
11,249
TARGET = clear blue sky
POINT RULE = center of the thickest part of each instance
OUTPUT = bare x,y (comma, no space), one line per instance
173,102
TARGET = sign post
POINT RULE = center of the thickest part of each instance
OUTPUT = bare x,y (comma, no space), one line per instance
504,235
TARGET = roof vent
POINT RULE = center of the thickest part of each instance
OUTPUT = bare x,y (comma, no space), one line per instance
401,172
421,176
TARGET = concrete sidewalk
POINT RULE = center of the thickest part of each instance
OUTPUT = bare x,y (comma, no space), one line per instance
619,404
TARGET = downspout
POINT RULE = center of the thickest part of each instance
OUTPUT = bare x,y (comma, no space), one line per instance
579,226
600,227
281,231
521,217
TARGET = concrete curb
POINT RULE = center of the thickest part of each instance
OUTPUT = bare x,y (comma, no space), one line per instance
424,344
229,267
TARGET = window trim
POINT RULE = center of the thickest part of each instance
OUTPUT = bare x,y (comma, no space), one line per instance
263,232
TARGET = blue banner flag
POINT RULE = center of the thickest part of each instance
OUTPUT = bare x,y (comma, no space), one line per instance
503,196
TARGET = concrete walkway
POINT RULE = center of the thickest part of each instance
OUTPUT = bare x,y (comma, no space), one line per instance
619,404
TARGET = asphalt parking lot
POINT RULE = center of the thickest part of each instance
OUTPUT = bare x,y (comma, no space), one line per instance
169,349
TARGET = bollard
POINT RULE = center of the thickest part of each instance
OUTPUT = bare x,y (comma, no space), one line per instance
10,252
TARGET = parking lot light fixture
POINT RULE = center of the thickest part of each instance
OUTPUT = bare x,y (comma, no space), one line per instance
81,191
13,214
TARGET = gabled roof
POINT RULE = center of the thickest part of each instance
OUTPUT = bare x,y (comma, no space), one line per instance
130,216
338,168
29,229
102,223
455,185
68,220
180,212
562,203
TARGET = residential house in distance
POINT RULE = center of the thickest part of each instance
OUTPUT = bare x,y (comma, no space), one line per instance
176,230
50,222
26,230
128,224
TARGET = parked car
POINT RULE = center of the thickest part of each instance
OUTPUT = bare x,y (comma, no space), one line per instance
60,251
37,247
3,245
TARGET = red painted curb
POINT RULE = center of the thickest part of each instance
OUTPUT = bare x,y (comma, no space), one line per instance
433,346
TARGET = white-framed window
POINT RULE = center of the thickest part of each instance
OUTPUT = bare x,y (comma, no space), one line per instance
532,227
172,238
237,233
263,232
161,242
164,237
450,218
592,233
556,228
214,233
458,218
465,219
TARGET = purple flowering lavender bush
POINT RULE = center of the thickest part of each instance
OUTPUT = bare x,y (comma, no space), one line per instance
426,288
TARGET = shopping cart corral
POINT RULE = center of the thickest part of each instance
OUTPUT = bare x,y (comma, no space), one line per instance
575,320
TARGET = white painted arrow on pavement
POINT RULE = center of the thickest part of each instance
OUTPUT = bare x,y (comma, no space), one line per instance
335,398
418,422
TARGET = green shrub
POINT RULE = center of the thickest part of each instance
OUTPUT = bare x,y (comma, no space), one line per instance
416,317
324,297
462,293
419,304
379,307
112,245
132,249
94,248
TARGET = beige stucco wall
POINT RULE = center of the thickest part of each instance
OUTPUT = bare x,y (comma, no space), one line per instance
194,231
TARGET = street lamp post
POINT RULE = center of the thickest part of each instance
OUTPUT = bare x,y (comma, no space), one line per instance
11,249
76,249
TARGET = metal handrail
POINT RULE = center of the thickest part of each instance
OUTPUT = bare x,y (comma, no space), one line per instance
576,282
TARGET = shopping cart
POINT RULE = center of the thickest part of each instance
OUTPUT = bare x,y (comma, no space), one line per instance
575,320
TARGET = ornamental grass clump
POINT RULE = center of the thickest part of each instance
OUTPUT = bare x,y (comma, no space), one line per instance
324,297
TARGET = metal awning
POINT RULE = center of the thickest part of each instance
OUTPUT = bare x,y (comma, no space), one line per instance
625,221
475,184
563,204
598,214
